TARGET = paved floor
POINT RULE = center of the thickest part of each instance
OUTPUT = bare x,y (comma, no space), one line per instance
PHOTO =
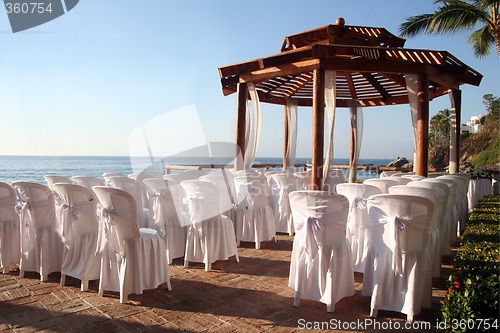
249,296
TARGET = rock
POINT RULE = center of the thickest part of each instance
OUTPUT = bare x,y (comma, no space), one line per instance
398,162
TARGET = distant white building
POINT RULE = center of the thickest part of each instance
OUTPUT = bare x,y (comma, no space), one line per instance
473,125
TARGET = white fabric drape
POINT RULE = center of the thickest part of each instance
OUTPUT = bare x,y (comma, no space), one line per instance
291,146
357,126
253,122
330,99
412,88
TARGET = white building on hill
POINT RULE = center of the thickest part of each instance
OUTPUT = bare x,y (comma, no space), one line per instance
473,125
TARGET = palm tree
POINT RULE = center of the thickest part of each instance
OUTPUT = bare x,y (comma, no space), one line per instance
460,15
440,127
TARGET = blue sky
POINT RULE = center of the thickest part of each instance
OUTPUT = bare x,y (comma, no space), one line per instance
83,83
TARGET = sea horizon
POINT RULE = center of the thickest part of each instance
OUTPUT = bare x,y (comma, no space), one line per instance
33,167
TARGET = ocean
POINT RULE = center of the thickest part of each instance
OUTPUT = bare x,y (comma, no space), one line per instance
33,168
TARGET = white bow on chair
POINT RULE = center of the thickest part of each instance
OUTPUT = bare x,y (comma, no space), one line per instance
108,218
312,225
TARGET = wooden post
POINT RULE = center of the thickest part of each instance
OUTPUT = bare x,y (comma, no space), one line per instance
455,129
241,112
285,146
318,128
422,149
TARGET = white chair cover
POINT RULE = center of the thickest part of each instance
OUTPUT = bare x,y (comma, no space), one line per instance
414,177
168,214
382,183
210,235
334,177
434,244
303,178
285,183
358,232
452,202
10,237
385,174
461,199
52,179
87,181
129,185
224,180
398,274
41,247
185,175
321,263
77,226
133,259
254,218
443,214
401,180
274,192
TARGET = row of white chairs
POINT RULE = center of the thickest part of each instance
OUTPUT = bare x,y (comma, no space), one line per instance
85,234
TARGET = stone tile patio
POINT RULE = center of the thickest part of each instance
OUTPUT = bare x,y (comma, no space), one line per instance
249,296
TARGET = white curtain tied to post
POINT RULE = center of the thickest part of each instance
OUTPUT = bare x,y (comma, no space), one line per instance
291,145
330,99
357,128
252,130
412,88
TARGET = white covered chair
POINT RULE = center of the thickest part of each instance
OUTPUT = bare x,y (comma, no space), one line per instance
334,177
133,259
210,235
434,244
52,179
358,232
321,263
87,181
461,198
131,186
382,183
254,218
78,226
397,272
401,180
443,212
303,178
41,247
224,180
10,238
168,214
452,205
285,183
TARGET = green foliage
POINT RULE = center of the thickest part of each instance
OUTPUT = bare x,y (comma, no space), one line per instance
458,16
474,285
491,156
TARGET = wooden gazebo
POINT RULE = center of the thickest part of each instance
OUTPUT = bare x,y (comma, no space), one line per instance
370,64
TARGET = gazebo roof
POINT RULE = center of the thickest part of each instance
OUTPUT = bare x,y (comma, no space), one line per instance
370,63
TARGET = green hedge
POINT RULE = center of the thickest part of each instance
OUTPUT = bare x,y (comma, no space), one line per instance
472,301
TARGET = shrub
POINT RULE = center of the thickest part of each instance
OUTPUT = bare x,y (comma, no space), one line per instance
473,293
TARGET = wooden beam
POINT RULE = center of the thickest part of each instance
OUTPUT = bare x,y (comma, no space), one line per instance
422,149
284,70
369,77
456,106
350,83
318,128
241,111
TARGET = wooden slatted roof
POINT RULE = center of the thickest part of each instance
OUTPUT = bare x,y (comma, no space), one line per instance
370,62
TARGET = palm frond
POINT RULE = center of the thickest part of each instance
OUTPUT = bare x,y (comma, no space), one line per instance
415,25
456,16
482,40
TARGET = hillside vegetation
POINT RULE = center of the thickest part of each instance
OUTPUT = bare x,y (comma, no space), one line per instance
481,149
